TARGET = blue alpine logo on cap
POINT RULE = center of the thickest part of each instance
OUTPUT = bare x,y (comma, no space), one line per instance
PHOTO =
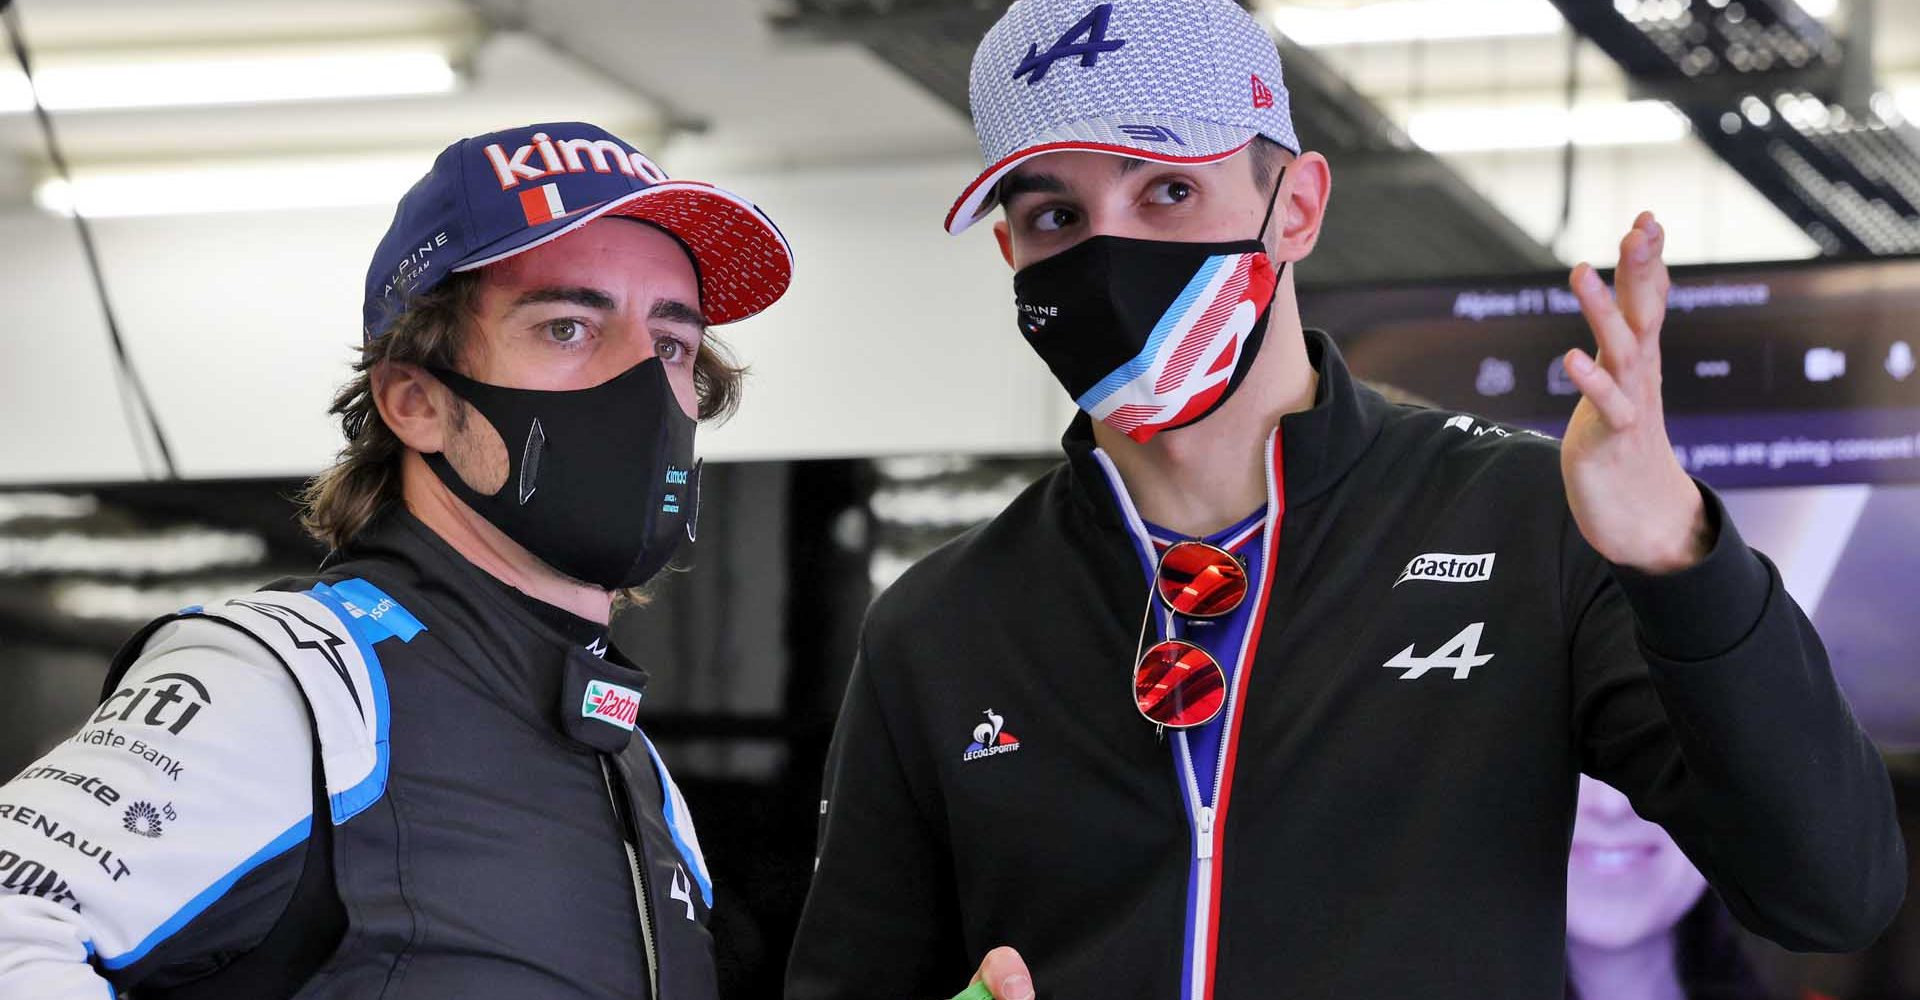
1093,26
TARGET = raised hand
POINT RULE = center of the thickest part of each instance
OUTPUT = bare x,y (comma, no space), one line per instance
1633,502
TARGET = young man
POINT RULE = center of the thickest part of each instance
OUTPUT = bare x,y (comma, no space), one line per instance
1275,688
417,774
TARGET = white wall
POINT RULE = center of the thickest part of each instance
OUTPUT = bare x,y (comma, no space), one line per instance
895,338
1710,213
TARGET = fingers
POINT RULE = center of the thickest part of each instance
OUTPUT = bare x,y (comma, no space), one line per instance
1599,387
1619,348
1642,280
1005,973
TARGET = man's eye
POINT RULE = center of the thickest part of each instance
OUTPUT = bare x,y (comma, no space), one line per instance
669,349
1049,220
566,331
1170,192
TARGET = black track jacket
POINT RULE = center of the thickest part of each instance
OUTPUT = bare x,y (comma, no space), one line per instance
1384,831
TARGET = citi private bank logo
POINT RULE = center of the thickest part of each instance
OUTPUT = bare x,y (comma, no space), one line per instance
611,704
990,738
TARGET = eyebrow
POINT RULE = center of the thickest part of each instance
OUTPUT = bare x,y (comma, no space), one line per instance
676,311
1029,182
579,295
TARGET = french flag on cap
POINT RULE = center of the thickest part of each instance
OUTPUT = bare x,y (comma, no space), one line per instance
542,204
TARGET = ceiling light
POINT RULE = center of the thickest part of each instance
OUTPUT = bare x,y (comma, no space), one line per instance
185,550
50,506
1905,104
233,186
1399,21
1460,130
255,78
131,602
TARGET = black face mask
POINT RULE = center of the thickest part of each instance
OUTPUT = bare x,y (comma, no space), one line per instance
1149,335
601,482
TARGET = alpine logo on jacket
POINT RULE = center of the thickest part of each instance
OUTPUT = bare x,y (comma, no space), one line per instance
1460,654
990,738
611,704
1448,567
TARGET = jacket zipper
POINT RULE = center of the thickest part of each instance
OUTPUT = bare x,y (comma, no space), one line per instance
1203,873
1204,815
630,839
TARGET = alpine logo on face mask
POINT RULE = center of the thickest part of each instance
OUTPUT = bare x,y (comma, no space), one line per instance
611,704
1192,353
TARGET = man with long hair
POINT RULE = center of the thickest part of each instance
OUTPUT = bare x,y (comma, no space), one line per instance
417,773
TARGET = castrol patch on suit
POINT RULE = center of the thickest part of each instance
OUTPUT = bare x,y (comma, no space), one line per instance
612,704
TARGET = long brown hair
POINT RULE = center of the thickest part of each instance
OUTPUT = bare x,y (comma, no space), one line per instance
364,481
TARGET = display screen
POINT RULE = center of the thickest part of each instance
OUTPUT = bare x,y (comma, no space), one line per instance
1790,388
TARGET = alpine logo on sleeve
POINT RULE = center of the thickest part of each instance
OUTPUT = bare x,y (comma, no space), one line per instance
991,738
611,704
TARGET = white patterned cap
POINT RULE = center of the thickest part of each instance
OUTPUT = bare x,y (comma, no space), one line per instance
1176,81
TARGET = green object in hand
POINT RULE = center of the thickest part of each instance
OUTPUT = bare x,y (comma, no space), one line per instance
978,991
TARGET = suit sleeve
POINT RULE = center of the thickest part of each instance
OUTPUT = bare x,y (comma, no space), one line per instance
881,920
157,842
1707,698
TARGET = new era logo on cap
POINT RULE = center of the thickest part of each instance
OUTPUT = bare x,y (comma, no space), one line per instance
1182,81
1262,94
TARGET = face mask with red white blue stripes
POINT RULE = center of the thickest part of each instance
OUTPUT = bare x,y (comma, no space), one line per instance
1148,335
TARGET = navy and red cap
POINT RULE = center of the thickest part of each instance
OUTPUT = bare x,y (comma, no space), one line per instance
495,195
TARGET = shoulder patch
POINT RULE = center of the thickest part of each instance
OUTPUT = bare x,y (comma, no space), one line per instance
326,637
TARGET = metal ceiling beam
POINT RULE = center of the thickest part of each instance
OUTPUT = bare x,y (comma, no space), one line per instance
1784,102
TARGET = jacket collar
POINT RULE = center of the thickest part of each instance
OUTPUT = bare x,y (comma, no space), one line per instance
522,661
1318,445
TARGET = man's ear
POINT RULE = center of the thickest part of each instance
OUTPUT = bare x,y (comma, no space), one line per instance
1302,208
413,404
1005,236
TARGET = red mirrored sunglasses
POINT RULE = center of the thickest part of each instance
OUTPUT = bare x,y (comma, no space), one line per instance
1176,684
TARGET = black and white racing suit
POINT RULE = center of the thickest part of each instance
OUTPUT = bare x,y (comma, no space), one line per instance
496,824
